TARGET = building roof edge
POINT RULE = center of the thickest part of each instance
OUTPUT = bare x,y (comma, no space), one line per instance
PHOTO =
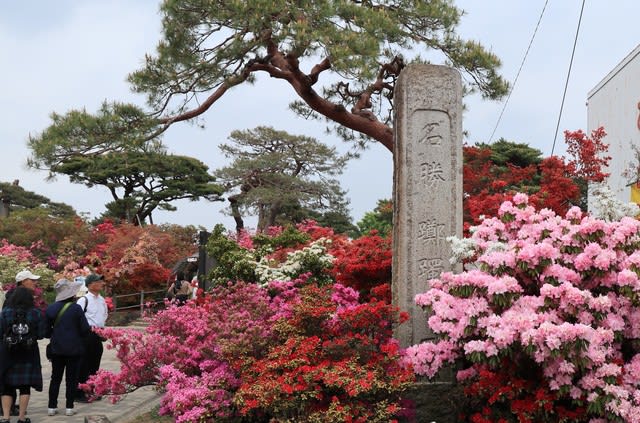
614,72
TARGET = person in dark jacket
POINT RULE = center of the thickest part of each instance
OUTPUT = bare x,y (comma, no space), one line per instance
20,368
29,280
67,327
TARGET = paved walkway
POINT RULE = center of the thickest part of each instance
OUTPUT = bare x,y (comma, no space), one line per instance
131,405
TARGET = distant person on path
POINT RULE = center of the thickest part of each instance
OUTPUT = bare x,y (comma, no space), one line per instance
21,325
95,309
68,328
194,287
191,273
180,289
28,280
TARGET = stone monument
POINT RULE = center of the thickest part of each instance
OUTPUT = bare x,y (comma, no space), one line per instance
427,186
5,204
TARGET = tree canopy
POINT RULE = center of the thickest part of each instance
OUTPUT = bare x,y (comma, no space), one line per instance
100,150
493,173
341,58
21,199
141,182
380,219
274,173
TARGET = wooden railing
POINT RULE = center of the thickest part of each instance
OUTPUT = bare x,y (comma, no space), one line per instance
144,299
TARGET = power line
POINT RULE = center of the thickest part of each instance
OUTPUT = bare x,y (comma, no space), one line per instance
566,84
504,106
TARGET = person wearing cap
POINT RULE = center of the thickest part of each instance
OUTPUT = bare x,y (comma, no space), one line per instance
95,309
23,278
68,328
27,279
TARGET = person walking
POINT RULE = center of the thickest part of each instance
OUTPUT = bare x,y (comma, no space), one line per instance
67,327
95,309
28,280
21,325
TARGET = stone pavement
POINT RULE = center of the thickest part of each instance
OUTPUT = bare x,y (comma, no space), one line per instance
133,404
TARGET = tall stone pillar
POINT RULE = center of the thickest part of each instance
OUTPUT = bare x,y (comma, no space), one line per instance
427,185
5,204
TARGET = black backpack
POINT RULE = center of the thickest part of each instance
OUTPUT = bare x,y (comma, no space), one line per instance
18,335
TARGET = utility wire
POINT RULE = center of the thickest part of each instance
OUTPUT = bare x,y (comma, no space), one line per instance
566,84
504,106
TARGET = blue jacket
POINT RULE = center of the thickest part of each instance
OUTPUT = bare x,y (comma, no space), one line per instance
68,336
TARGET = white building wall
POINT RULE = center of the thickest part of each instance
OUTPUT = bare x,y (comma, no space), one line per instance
614,104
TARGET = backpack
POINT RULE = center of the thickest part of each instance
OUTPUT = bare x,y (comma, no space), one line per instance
18,335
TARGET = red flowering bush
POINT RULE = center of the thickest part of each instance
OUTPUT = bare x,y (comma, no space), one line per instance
553,182
508,395
335,361
362,263
109,302
147,276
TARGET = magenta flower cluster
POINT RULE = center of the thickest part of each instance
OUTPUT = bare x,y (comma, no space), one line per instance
195,353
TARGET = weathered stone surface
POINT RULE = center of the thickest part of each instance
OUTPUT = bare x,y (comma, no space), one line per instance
437,402
96,419
427,185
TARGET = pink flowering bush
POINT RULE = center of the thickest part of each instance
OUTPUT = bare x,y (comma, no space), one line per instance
185,349
195,353
21,254
551,303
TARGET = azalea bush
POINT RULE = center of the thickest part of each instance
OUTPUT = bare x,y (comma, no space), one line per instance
362,263
13,259
132,258
276,254
313,259
335,360
194,353
253,353
276,339
494,173
286,253
544,323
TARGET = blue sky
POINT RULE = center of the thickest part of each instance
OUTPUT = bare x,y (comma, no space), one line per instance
70,54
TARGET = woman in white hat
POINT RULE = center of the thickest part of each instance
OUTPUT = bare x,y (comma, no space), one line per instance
67,327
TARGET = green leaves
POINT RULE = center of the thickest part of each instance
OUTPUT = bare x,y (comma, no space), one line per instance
111,149
211,46
115,127
22,199
274,174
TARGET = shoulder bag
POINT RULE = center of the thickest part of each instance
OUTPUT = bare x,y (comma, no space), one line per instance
48,352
